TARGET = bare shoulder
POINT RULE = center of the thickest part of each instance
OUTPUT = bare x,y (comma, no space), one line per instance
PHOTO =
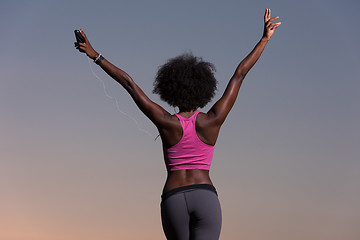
205,120
171,131
168,121
206,128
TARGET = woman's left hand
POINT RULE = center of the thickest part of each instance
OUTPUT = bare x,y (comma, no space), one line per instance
86,47
269,26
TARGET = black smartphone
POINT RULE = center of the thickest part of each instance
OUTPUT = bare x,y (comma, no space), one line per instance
79,37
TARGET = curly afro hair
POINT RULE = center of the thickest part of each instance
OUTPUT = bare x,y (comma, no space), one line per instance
186,82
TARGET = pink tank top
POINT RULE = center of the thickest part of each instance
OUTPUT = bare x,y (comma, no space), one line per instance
190,152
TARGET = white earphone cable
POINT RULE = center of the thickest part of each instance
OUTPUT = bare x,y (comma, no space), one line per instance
116,102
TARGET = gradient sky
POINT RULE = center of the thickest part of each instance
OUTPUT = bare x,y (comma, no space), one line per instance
73,167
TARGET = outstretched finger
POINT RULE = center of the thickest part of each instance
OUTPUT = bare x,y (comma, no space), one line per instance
272,19
277,25
267,23
274,26
267,15
270,23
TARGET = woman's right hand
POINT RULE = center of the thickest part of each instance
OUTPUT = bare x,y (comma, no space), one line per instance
86,47
269,27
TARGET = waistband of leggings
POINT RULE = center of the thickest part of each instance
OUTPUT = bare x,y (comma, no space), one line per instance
167,194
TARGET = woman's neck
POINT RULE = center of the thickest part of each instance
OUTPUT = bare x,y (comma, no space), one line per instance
187,114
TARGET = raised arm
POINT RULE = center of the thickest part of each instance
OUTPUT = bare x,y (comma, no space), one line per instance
222,107
153,111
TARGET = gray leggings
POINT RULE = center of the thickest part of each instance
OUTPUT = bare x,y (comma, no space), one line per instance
191,212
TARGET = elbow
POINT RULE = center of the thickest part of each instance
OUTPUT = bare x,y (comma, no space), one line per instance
128,83
239,75
242,70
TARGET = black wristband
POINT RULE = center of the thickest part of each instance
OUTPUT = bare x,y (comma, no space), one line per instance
99,59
